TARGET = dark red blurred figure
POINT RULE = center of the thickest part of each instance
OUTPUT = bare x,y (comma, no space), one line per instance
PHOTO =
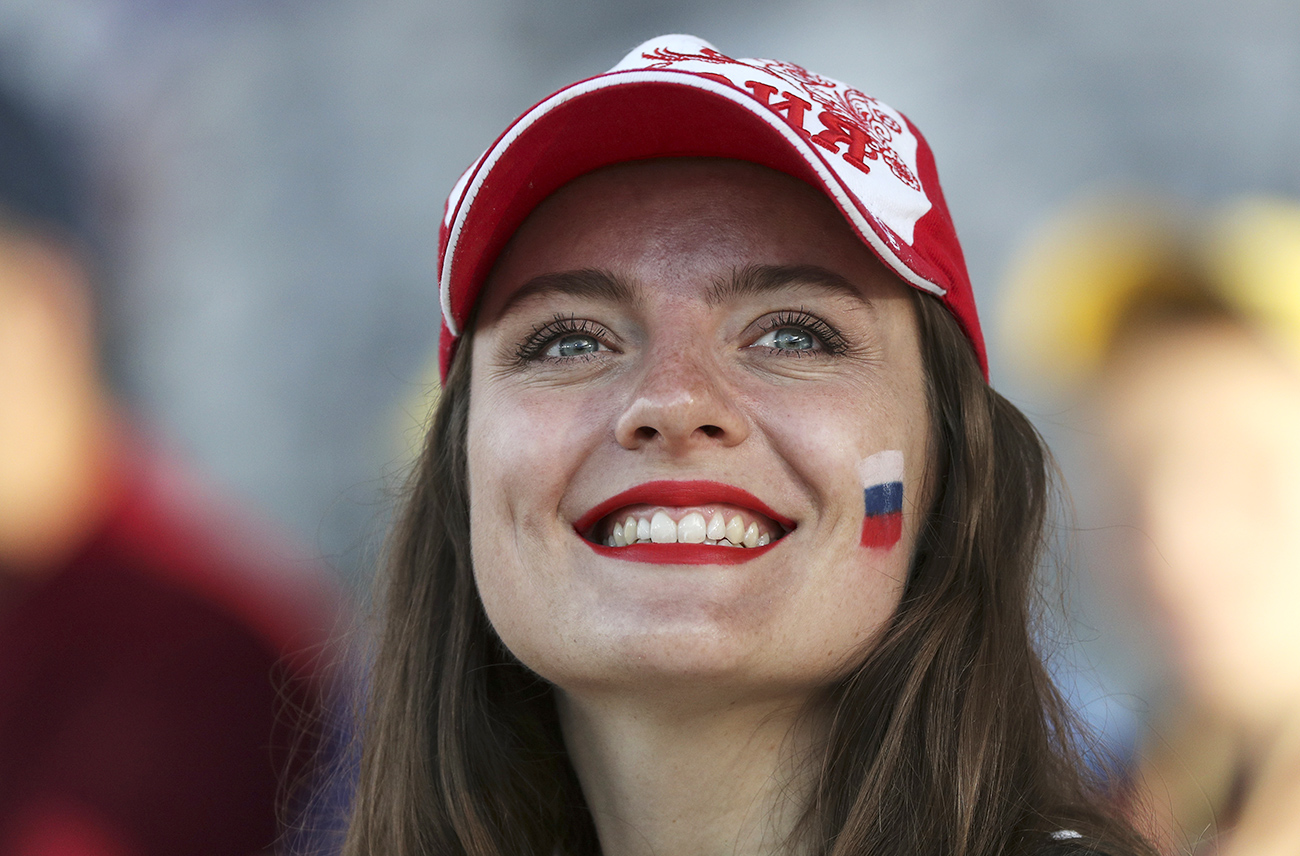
162,662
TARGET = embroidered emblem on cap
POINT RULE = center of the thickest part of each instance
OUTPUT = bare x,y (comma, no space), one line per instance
679,96
863,133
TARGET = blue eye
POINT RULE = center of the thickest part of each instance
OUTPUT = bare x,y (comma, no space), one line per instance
799,333
574,345
788,339
564,338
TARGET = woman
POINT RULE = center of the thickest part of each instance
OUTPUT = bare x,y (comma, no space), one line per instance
721,542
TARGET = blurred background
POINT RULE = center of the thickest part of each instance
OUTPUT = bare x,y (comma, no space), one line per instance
269,176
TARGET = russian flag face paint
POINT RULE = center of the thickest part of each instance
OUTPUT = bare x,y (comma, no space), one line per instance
882,490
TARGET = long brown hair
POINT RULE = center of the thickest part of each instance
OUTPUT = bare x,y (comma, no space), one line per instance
949,739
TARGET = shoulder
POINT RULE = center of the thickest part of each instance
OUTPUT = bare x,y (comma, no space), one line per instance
169,527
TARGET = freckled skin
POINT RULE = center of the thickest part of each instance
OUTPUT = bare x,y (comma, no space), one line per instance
682,388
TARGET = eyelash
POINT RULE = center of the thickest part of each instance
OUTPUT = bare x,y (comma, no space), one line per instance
532,348
833,343
542,335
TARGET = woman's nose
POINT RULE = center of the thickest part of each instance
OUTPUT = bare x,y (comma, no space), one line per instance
680,403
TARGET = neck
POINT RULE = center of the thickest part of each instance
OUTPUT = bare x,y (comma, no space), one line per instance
727,780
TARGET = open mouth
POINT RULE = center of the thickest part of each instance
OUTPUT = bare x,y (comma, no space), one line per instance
724,526
681,516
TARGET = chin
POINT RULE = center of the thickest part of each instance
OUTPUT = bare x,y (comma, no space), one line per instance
672,659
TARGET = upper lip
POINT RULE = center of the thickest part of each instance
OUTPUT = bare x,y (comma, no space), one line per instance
678,494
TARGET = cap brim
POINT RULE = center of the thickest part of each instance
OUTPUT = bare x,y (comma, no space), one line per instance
620,117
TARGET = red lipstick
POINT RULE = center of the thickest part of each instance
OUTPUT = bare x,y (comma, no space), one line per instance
683,554
678,494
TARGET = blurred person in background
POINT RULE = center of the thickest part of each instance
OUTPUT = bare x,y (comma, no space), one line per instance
1182,335
161,658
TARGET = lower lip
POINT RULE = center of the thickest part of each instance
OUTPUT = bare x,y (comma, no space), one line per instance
682,554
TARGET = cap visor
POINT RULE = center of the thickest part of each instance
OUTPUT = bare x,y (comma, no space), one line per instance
615,118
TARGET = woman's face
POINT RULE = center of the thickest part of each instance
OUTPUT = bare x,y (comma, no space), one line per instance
680,352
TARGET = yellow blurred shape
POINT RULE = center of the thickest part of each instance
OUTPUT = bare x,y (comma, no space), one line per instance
1253,254
1072,288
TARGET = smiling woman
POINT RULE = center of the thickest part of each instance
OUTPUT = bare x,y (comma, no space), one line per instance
721,543
754,354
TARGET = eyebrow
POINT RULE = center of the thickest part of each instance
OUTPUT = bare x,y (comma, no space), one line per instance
589,283
748,281
756,280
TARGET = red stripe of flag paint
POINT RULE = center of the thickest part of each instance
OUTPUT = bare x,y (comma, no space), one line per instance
882,493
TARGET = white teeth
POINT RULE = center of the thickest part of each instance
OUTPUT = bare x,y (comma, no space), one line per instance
662,529
691,528
736,530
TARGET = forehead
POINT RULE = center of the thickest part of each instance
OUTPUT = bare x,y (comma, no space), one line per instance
681,219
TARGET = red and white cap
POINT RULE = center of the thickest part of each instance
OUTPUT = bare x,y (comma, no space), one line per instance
678,96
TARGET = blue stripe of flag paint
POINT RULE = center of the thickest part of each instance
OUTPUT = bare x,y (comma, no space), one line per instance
884,498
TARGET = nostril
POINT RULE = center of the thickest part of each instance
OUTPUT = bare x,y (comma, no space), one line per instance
645,432
711,430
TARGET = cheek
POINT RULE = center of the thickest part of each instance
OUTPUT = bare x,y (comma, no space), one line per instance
524,449
867,464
